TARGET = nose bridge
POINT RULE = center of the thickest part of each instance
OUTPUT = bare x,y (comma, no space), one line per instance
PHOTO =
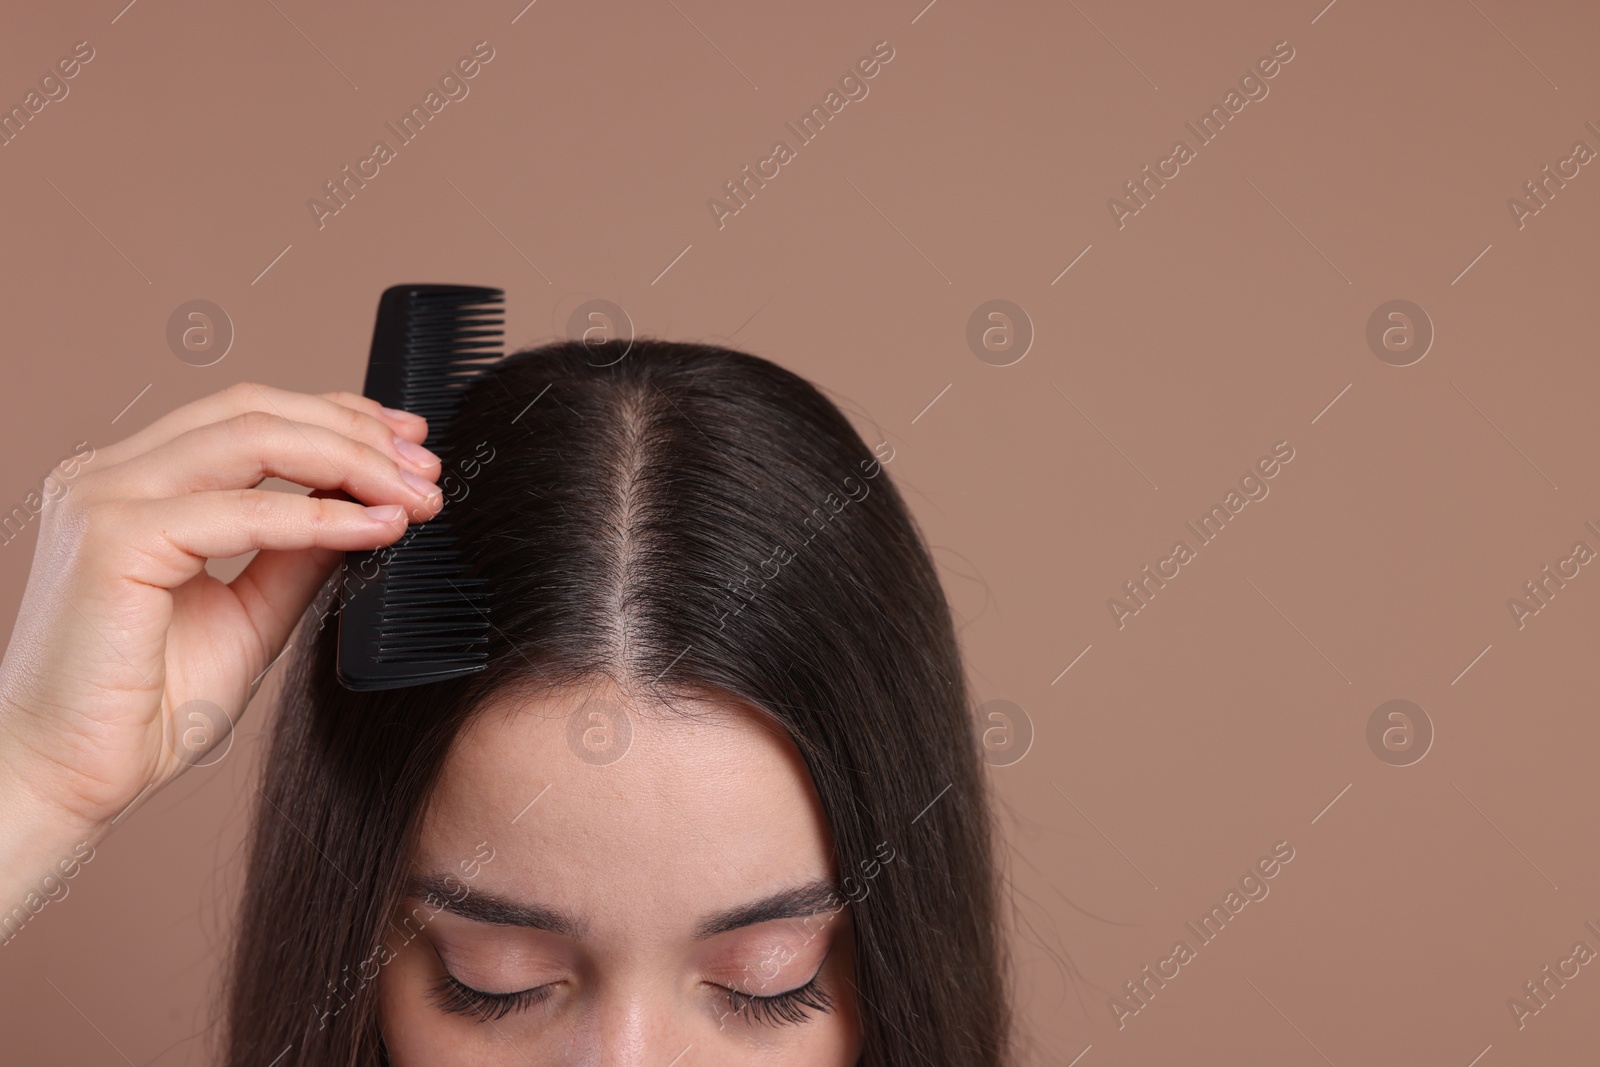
636,1024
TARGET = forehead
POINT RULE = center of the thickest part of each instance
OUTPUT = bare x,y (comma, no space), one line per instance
590,800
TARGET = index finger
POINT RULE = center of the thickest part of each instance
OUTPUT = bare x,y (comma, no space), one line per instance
351,414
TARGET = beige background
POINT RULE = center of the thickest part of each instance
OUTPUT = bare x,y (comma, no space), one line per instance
1227,316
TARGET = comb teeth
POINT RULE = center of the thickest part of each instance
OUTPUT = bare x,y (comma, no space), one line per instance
410,614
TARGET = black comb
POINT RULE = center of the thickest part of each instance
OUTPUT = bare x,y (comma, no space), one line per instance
409,614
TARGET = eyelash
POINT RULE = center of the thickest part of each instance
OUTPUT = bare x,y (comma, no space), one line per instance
455,996
782,1008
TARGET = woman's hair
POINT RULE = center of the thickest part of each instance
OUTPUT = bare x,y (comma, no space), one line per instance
682,519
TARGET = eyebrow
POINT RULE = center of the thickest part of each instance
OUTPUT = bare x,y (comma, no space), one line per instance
438,892
795,902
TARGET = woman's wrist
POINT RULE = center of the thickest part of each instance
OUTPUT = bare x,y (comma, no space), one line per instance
43,842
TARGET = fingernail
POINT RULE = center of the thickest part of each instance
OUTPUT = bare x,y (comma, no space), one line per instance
385,513
423,487
396,413
414,452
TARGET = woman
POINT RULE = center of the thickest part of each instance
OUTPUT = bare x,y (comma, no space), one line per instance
715,799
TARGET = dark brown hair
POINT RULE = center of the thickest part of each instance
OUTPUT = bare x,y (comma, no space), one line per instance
681,518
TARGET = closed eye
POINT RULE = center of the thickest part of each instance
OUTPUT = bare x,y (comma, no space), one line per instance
453,995
782,1009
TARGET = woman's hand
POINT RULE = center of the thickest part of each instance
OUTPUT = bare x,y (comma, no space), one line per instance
120,624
